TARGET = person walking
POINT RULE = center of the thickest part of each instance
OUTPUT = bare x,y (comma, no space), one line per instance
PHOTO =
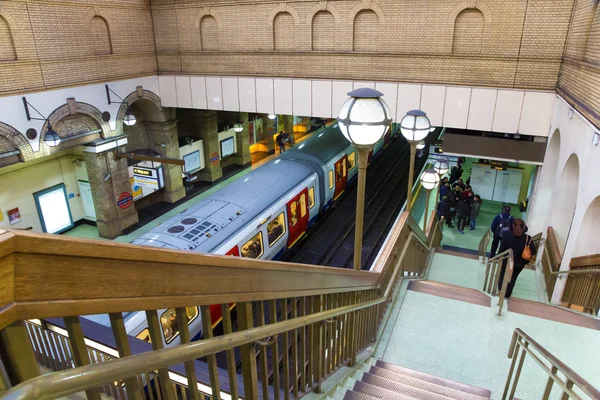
443,208
501,225
281,142
475,211
519,242
453,201
462,211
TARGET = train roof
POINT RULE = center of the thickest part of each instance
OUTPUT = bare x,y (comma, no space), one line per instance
324,144
206,225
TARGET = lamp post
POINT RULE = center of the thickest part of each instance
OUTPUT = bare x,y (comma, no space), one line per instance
415,126
441,167
429,180
363,119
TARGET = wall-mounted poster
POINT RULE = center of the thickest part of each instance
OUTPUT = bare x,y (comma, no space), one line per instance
14,216
258,127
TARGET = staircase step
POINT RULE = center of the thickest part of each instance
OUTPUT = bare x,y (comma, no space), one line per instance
378,392
352,395
552,313
433,387
397,389
434,379
453,292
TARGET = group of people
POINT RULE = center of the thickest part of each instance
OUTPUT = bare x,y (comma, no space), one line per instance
458,200
282,138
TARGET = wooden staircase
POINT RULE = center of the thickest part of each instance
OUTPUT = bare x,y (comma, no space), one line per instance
389,381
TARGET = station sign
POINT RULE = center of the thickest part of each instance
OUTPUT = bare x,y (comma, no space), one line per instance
146,177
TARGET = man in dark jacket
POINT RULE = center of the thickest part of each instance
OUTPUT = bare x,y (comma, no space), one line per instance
443,208
462,210
475,211
515,240
501,225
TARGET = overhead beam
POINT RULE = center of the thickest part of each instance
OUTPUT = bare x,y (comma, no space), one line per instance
133,156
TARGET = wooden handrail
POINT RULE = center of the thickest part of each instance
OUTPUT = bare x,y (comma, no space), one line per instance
576,271
44,276
572,377
585,261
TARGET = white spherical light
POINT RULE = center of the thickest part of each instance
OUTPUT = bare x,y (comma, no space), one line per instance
415,125
364,118
429,179
129,119
238,127
441,166
51,138
272,116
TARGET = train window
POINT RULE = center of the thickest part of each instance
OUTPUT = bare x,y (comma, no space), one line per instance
253,247
144,335
169,322
351,161
344,169
303,205
311,197
276,229
330,179
294,213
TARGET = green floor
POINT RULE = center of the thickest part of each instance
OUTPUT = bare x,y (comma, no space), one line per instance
469,343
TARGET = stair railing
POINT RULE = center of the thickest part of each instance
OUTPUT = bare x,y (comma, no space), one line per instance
551,260
327,315
583,283
483,246
550,364
493,271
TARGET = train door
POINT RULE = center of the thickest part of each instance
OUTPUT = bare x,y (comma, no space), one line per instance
341,176
297,210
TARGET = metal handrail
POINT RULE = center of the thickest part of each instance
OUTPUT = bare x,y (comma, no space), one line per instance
483,243
492,274
53,385
523,340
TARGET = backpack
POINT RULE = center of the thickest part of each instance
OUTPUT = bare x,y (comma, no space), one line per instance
503,226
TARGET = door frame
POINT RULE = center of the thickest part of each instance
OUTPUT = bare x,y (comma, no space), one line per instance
302,221
342,162
36,196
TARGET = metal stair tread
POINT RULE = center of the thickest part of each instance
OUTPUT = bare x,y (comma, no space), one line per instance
352,395
463,387
379,392
401,389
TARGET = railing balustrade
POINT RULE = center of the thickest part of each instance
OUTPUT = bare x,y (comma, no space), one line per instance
296,324
483,246
551,260
583,283
493,271
552,366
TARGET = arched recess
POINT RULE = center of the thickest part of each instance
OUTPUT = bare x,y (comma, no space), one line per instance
284,35
592,34
14,147
146,107
100,33
587,238
565,199
323,31
366,31
8,51
75,123
209,33
546,185
464,14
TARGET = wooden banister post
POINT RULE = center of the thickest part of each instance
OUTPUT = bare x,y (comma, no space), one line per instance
17,353
248,353
80,353
121,339
156,337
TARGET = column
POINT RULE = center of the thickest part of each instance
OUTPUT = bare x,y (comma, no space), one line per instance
242,156
206,126
162,138
270,130
106,190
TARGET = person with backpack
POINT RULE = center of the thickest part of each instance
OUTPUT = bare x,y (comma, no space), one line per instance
523,252
501,225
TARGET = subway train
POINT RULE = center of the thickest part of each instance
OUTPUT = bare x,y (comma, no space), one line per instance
261,215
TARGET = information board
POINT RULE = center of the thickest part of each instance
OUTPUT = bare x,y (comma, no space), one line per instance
227,147
192,162
483,180
508,185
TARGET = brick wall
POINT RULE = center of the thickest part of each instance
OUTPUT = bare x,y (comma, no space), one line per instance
64,43
579,81
508,43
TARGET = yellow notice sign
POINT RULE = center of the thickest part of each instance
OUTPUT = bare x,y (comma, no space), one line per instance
1,216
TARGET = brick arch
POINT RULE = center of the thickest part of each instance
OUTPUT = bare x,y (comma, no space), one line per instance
73,107
323,6
139,95
368,5
18,140
471,4
11,22
96,12
106,48
206,12
282,8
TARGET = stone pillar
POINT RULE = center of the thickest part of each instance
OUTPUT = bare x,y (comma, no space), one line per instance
207,128
162,138
270,130
110,218
242,156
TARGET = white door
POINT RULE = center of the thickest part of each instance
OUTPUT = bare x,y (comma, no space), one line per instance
88,201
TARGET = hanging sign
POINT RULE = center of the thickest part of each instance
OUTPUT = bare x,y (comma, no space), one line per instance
125,200
146,177
14,216
214,158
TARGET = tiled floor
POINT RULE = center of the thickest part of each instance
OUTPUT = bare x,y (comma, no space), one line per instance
469,343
